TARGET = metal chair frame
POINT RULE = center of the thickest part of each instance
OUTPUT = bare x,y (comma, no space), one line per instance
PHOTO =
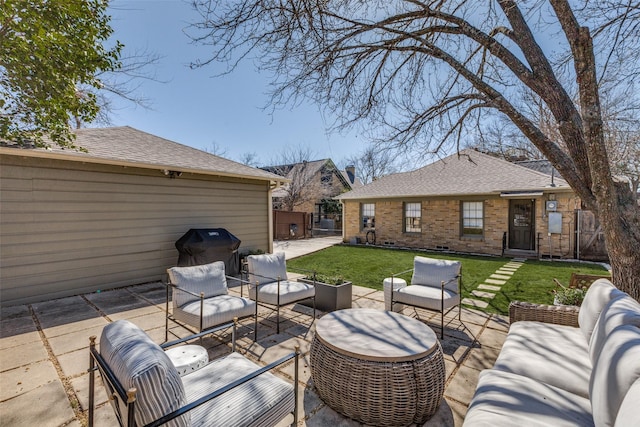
457,278
118,392
169,315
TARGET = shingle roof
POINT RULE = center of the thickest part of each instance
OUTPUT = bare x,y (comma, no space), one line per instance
469,173
128,146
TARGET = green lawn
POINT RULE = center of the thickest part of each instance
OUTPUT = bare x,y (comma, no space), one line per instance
368,266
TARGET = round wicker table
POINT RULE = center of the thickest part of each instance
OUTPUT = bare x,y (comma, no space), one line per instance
377,367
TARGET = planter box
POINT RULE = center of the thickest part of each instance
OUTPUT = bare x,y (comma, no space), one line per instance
330,297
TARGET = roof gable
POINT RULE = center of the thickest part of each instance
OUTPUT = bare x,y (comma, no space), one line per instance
132,147
467,173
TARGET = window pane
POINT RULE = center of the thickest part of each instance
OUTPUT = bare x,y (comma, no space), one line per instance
368,215
472,218
412,216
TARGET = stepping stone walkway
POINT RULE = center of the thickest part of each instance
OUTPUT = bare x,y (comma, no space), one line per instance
493,284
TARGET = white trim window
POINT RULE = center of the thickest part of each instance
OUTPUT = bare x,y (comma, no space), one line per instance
413,217
472,219
368,215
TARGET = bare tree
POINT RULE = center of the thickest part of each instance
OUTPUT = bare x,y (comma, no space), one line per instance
426,73
373,163
250,158
123,83
501,138
295,163
216,149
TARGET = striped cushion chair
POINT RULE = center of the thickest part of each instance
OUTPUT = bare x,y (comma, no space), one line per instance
435,286
201,298
147,389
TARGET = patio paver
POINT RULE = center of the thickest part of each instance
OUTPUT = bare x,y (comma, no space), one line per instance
57,380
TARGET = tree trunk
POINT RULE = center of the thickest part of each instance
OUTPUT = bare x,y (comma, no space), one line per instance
619,214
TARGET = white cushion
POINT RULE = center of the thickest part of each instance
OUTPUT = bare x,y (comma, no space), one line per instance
506,399
615,370
267,268
599,294
216,311
554,354
620,311
263,401
628,413
427,297
289,292
138,362
207,278
431,272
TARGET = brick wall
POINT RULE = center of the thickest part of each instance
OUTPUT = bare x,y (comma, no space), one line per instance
441,225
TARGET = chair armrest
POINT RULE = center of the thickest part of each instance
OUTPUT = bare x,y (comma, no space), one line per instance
238,279
446,282
555,314
201,334
177,288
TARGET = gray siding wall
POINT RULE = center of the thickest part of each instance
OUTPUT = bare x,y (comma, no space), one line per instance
68,228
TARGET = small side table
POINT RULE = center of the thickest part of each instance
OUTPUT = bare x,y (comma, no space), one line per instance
188,358
378,367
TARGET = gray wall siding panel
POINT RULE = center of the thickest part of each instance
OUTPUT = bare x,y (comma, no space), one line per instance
68,228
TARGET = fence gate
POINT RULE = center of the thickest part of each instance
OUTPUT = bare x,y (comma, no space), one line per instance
291,225
589,237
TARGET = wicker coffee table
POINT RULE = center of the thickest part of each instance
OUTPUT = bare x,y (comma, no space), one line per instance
377,367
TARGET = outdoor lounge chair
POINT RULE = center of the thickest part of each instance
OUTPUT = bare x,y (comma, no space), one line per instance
201,298
268,284
435,286
145,388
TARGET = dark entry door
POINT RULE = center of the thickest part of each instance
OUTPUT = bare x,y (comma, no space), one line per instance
522,224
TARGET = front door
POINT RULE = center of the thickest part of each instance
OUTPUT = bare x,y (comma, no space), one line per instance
522,224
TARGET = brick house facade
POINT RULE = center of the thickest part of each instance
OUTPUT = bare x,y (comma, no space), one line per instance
466,204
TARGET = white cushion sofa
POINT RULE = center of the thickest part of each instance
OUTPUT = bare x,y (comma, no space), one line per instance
564,366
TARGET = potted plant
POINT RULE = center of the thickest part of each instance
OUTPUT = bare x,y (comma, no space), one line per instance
332,293
563,295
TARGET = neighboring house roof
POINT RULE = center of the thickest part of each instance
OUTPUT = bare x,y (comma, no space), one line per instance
541,165
305,171
349,175
126,146
466,173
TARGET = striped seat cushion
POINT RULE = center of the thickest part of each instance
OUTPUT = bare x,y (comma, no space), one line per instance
289,292
207,278
137,361
264,401
217,310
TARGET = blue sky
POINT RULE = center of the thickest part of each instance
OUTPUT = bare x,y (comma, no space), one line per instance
194,108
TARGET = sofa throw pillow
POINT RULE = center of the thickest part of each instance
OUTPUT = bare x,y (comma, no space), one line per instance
599,294
267,268
431,272
207,278
137,361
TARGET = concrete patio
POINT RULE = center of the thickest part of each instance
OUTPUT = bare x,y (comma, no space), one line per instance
44,356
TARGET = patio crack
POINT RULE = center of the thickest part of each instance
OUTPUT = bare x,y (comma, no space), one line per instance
66,382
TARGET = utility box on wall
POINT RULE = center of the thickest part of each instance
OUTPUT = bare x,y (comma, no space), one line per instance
555,223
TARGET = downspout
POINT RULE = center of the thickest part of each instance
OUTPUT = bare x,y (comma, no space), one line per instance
344,221
272,185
